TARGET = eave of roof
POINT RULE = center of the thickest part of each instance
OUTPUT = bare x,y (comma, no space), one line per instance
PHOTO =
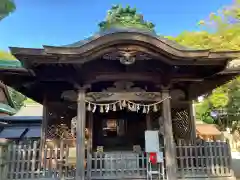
13,66
207,129
6,92
10,64
21,118
7,109
115,36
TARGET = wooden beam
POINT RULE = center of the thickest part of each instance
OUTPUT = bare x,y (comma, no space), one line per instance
128,76
115,96
107,96
174,80
120,76
207,85
138,76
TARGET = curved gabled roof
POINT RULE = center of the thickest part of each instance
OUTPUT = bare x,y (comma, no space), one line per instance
130,30
117,36
122,35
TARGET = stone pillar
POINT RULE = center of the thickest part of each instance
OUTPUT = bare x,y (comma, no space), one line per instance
169,144
192,115
80,132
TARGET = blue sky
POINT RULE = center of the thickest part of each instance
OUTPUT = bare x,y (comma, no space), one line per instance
59,22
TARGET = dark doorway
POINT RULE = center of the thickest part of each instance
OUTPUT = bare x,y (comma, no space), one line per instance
118,131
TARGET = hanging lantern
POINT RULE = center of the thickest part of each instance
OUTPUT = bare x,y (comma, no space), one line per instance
89,107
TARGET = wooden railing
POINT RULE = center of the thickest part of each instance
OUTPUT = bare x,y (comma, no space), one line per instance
25,160
117,165
203,159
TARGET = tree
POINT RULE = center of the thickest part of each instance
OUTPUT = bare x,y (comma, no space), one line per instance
224,35
6,7
6,56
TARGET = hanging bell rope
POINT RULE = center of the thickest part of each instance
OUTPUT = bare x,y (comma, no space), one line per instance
121,104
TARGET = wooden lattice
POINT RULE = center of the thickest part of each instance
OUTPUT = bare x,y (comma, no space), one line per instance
74,128
181,124
59,131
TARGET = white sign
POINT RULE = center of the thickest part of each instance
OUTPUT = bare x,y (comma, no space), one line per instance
151,141
159,157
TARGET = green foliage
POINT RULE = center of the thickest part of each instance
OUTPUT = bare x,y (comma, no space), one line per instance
6,7
233,107
118,16
29,101
218,99
6,56
203,112
225,18
227,39
225,36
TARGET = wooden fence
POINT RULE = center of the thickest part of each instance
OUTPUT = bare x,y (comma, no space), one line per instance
203,159
25,161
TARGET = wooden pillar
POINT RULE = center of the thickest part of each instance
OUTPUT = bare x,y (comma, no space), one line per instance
148,122
2,166
192,120
169,144
80,132
44,124
89,146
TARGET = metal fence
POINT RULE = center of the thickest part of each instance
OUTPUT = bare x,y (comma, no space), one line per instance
24,160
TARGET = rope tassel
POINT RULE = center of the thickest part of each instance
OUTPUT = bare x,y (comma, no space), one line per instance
130,105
